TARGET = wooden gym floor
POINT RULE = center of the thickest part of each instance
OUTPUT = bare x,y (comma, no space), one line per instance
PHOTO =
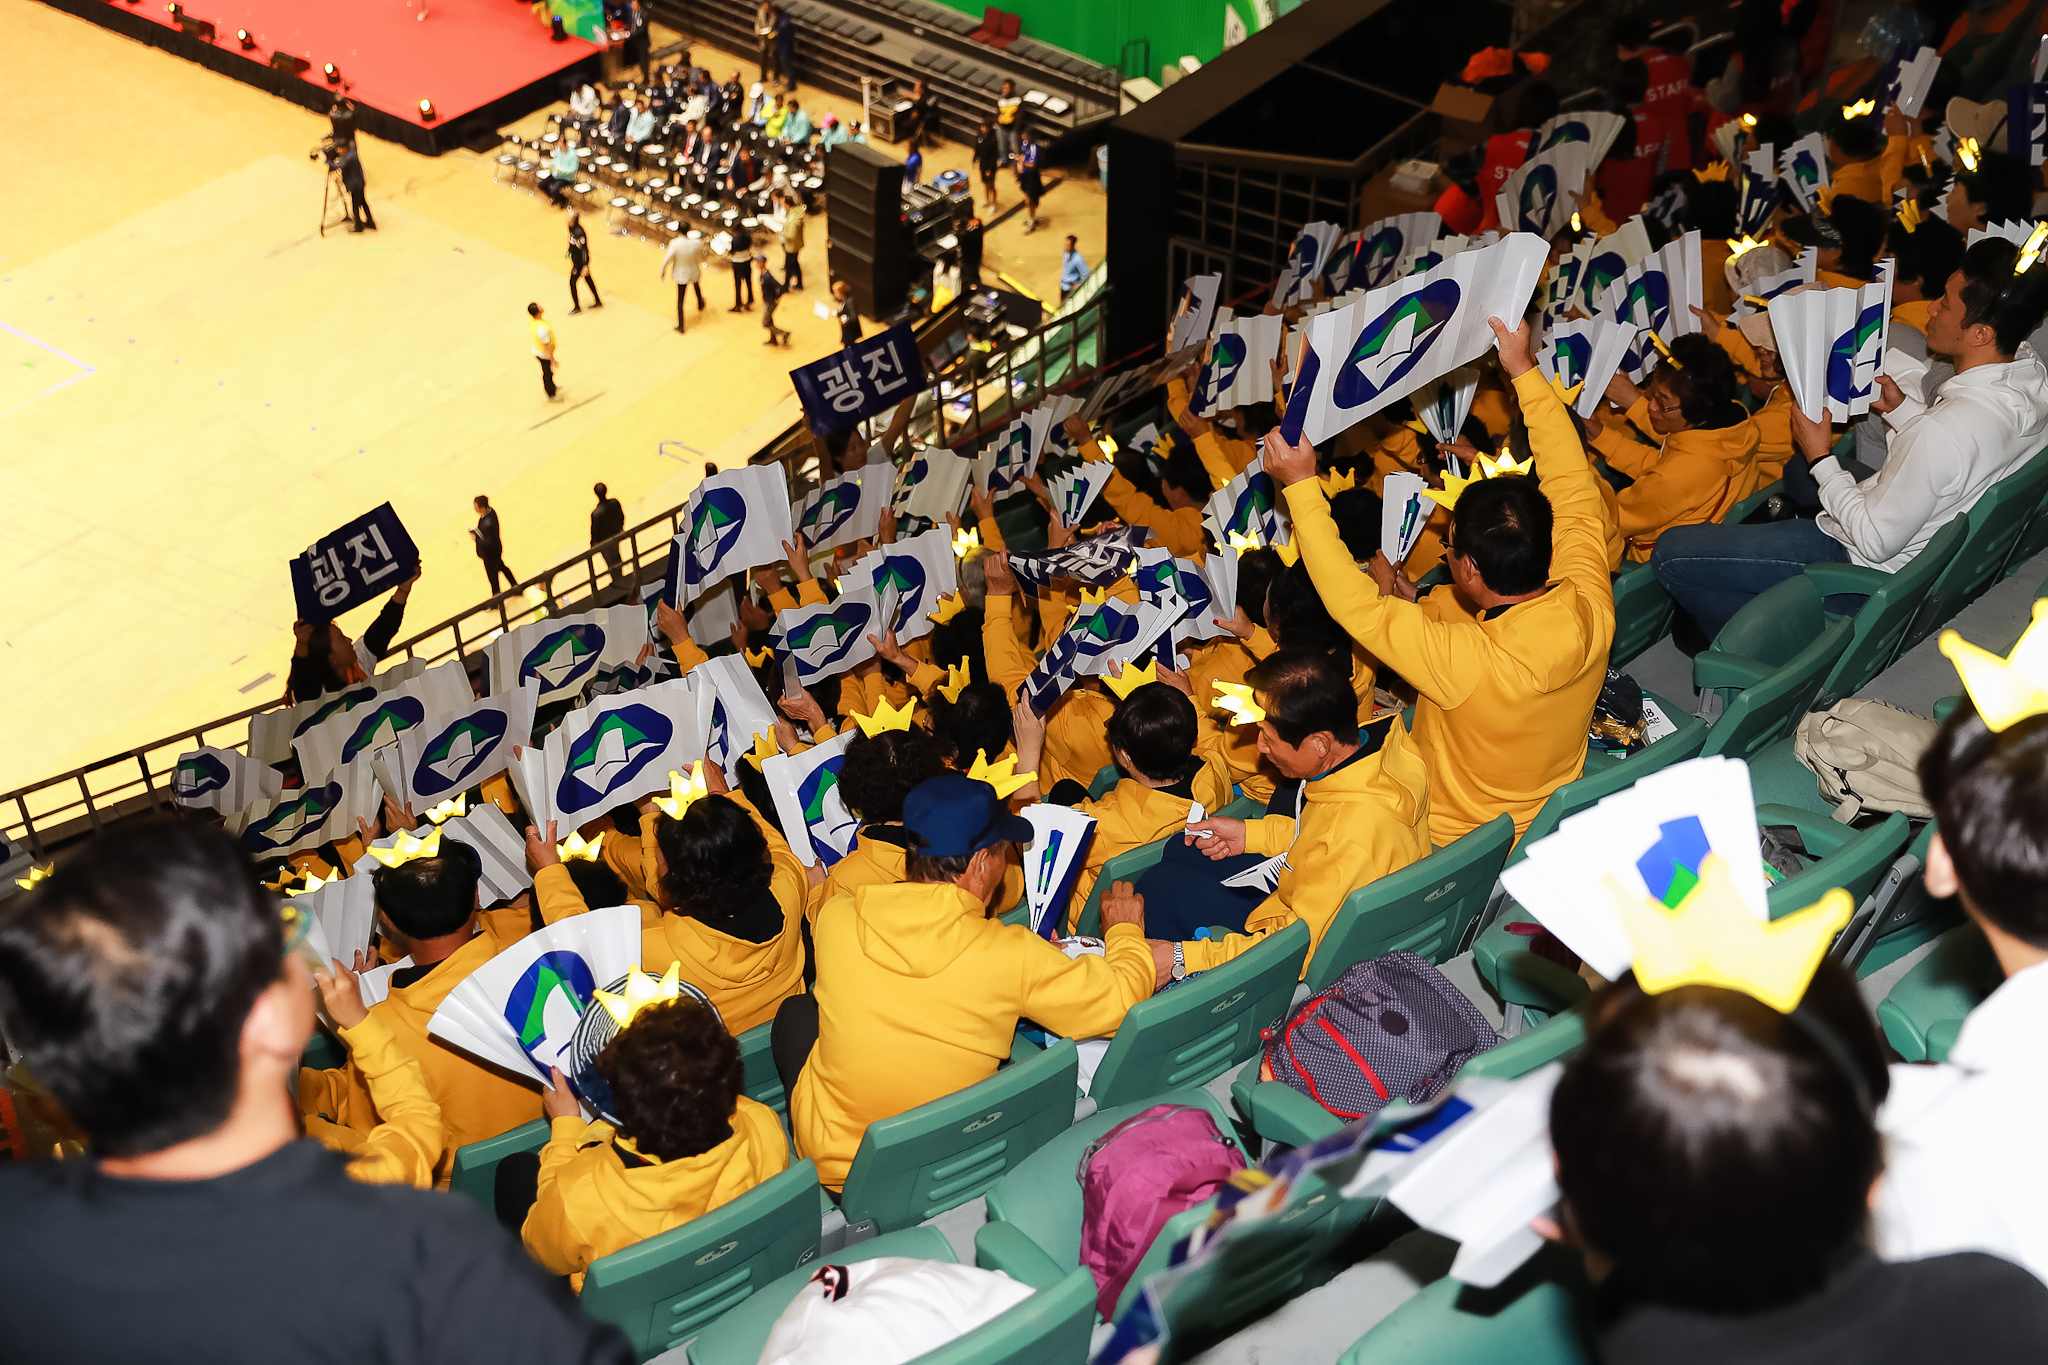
194,384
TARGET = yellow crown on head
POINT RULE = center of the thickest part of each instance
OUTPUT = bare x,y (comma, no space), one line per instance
1094,597
2005,691
1502,465
1003,776
1664,351
1824,199
1718,171
641,991
285,877
1132,678
1909,215
1290,554
1453,489
950,606
2030,250
1967,152
407,847
1859,108
1567,394
454,808
1240,540
965,541
1336,483
681,794
37,874
1485,467
1416,426
757,657
1236,698
957,677
576,847
764,748
886,717
1742,246
1713,939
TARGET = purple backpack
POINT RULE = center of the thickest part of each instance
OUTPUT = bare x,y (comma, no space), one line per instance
1389,1028
1138,1175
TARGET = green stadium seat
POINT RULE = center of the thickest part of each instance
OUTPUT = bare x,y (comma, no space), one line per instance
475,1173
1642,613
1200,1029
1768,709
662,1291
1426,907
1909,917
1124,867
1996,523
1891,602
760,1082
1853,859
2033,540
940,1155
1941,988
1739,513
1553,1041
1105,780
1534,1317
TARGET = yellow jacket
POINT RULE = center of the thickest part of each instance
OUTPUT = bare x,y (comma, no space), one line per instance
873,862
1178,529
919,994
1891,164
405,1146
590,1203
1913,314
746,981
1715,295
1076,742
1696,477
1227,660
1773,423
1863,180
1502,704
476,1101
1358,823
1008,660
1131,815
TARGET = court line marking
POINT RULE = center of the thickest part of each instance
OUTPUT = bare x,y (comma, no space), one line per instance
85,370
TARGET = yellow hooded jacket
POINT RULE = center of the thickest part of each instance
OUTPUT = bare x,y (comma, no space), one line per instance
1131,815
1359,821
1503,703
919,994
590,1203
1695,478
1773,423
405,1146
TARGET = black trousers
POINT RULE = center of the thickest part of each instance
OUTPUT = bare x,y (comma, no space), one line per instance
556,189
359,207
743,282
515,1185
792,270
547,374
580,270
494,566
680,289
792,1036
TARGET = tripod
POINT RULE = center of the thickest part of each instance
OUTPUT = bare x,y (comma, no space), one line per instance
334,203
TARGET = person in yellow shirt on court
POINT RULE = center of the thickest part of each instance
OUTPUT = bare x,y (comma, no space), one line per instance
687,1142
919,990
427,910
406,1144
1503,702
1360,802
542,333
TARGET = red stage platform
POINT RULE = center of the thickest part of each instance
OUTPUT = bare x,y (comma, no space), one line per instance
483,63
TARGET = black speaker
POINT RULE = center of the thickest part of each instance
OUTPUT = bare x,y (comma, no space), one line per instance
868,244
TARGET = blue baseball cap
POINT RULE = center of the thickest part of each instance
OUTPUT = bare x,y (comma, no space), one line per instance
954,816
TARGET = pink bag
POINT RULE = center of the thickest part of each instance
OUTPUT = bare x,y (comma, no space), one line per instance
1138,1175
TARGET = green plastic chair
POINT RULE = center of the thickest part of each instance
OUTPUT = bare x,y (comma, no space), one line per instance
1124,867
938,1156
475,1173
760,1082
1200,1029
1739,513
1050,1326
1891,602
1853,859
1642,613
1996,523
1941,988
1534,1317
1911,917
1426,907
1769,710
1553,1041
2033,540
660,1292
1105,779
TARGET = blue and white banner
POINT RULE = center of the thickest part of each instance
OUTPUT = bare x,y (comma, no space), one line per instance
1595,128
1658,296
1445,402
453,751
310,815
1907,79
1383,347
348,567
344,915
1831,344
1543,193
869,377
1162,580
1012,456
1197,306
908,578
618,750
1610,258
1075,491
1247,507
933,483
1586,352
845,509
1239,367
223,780
1387,248
830,637
815,820
379,720
1097,634
1804,168
1803,271
1757,196
1403,514
1096,561
564,654
738,519
731,710
2027,121
1059,843
1304,263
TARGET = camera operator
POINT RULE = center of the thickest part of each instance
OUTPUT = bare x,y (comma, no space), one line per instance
350,165
342,117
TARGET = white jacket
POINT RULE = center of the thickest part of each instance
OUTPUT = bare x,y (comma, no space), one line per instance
1983,424
1963,1141
683,254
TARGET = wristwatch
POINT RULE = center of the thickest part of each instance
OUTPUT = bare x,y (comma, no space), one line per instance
1180,962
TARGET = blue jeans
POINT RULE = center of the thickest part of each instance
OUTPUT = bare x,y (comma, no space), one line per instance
1712,570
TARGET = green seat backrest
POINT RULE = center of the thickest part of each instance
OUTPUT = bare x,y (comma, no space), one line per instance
1534,1317
1996,523
1425,907
475,1173
2033,538
1124,867
1106,778
738,1337
1551,1041
1573,797
1855,864
1913,917
1642,613
1200,1029
1771,709
760,1082
1737,514
1944,596
1052,1327
1948,983
662,1291
938,1156
1881,623
1772,627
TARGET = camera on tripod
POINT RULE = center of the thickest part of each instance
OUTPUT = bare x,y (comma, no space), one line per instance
328,151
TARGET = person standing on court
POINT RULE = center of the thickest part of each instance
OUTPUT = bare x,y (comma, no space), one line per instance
1028,181
1008,104
350,164
1073,269
579,264
849,318
785,48
544,346
607,520
970,255
764,37
742,275
490,548
772,291
988,157
683,260
792,238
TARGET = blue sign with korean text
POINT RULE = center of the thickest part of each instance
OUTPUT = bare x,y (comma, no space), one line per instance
869,377
346,568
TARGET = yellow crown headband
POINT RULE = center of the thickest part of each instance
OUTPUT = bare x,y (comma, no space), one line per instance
1859,108
1567,394
453,808
2005,691
1664,351
1333,484
1132,678
682,795
2031,250
1967,152
1909,215
1239,540
886,717
949,606
1742,246
1236,698
39,874
408,847
1710,938
1485,467
957,677
757,657
966,541
576,848
1290,553
1718,171
1824,199
1003,776
641,991
764,748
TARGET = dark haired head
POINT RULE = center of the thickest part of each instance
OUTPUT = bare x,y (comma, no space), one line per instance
1862,228
977,723
675,1076
1296,617
1537,105
596,882
717,860
1701,377
1630,32
1989,791
879,771
1712,207
1927,255
1719,1152
1994,297
1860,138
1307,692
1184,471
1631,81
126,978
1503,527
960,638
429,897
1357,514
2002,184
1154,731
920,867
1257,572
